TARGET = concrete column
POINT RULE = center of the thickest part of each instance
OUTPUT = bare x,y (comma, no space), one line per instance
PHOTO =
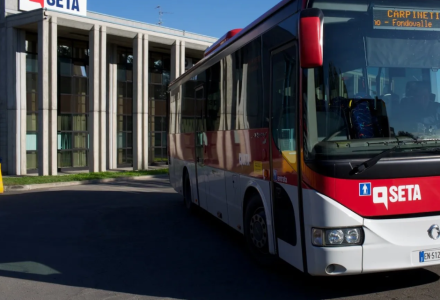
53,106
175,60
145,102
103,100
16,94
182,57
43,97
94,101
21,97
13,160
112,107
137,102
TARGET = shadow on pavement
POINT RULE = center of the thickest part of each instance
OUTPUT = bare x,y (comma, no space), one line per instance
148,244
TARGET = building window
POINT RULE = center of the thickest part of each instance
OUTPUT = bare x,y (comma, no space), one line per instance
73,103
159,79
125,107
31,101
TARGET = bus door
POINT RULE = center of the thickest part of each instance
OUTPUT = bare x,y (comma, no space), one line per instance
201,143
284,123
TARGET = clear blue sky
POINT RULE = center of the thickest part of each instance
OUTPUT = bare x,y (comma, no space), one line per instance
207,17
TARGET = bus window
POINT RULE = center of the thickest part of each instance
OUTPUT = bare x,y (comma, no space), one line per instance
284,98
214,103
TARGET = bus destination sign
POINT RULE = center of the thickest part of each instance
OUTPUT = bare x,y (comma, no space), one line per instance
406,19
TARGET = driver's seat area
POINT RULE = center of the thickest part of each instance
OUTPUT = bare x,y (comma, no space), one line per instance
364,118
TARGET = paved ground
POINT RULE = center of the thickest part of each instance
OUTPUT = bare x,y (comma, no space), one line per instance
134,240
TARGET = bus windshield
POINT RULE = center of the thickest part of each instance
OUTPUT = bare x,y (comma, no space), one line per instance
380,83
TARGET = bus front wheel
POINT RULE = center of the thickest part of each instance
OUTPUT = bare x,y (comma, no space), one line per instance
187,199
256,232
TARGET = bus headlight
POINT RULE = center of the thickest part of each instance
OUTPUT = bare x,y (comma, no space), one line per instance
337,237
352,236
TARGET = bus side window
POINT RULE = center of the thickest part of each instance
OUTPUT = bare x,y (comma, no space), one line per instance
214,101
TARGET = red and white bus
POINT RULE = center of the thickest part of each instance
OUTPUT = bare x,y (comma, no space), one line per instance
315,132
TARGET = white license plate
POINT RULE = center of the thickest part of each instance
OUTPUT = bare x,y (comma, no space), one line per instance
429,255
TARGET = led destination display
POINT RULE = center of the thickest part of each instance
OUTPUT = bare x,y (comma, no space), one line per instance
406,19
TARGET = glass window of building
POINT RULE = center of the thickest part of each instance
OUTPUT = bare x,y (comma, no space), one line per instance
125,107
31,102
159,79
73,103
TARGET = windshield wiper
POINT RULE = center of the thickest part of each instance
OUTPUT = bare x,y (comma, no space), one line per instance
419,141
371,162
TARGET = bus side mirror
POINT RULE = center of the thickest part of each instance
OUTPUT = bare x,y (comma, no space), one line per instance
311,26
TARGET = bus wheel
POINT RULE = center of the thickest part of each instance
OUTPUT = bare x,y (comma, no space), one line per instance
256,232
187,199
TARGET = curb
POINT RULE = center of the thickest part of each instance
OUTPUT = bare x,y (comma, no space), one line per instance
29,187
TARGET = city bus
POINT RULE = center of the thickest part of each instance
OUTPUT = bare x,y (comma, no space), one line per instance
315,132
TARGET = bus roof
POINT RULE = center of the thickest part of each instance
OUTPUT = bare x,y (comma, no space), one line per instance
231,40
221,41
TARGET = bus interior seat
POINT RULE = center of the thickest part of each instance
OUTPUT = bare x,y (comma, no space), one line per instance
409,103
413,90
410,93
366,118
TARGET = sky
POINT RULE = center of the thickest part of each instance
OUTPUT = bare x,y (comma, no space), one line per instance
208,17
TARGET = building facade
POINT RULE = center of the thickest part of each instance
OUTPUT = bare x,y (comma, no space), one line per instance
83,90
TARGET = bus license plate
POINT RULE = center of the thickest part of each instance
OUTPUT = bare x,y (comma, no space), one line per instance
429,255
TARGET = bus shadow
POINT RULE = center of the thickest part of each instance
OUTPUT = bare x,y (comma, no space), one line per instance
146,243
359,285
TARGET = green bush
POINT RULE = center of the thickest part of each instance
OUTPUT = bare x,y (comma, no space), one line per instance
25,180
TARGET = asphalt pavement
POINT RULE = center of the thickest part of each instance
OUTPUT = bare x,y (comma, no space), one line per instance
135,240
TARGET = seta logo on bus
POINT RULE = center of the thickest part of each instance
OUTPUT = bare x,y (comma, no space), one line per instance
78,7
402,193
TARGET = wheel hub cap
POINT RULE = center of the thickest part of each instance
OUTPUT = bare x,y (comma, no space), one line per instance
258,231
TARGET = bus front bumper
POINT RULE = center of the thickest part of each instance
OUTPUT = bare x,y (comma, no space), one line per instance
389,244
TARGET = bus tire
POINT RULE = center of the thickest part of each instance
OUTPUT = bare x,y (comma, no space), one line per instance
256,232
187,199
